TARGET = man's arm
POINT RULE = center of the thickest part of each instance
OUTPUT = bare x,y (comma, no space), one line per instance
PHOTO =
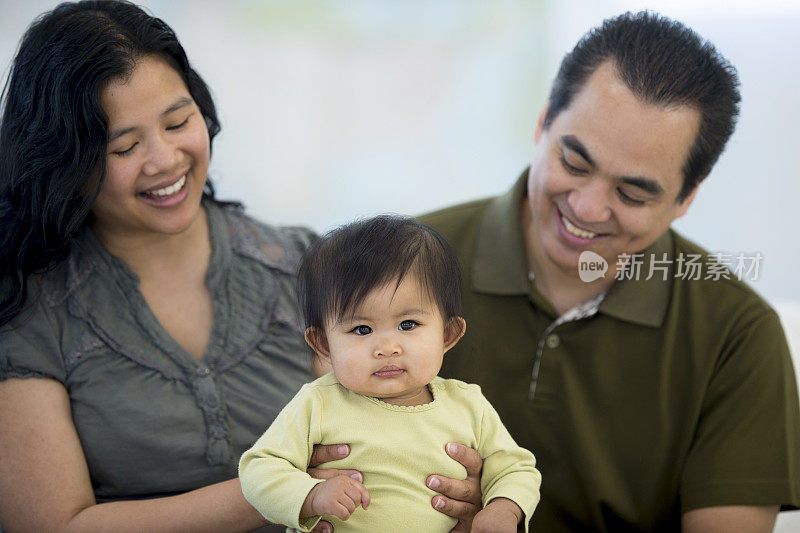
744,455
730,519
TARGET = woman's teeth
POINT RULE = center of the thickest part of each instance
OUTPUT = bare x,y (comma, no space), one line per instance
168,191
576,230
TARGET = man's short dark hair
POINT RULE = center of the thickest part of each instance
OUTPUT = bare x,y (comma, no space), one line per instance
663,63
339,271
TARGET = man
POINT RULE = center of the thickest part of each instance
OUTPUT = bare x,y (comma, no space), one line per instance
652,399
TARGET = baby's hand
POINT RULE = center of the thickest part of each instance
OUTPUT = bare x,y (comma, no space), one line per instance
501,515
338,496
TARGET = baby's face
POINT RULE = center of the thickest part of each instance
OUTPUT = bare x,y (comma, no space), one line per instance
392,346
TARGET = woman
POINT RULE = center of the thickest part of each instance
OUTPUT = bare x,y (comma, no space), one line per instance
159,323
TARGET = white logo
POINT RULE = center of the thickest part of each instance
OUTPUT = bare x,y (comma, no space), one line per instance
591,266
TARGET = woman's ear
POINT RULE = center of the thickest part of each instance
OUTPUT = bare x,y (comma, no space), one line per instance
453,331
318,342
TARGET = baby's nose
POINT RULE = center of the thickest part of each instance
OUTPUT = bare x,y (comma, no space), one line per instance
387,346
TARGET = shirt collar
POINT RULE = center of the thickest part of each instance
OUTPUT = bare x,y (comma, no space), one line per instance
644,301
500,266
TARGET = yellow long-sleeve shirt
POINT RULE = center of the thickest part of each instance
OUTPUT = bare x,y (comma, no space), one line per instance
395,447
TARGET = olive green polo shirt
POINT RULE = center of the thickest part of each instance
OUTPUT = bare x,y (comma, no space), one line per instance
666,395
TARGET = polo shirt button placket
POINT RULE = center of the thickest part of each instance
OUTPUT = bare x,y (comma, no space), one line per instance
548,340
553,341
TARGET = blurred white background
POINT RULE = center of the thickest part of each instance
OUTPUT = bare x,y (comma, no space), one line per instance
333,110
337,109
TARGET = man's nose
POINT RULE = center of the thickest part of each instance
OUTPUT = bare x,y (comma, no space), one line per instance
591,202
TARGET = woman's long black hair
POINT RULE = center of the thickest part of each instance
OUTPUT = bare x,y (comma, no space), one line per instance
53,130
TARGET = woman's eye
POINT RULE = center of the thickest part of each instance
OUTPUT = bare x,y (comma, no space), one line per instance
123,153
406,325
179,126
362,330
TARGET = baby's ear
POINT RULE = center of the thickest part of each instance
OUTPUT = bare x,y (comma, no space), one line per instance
318,342
453,331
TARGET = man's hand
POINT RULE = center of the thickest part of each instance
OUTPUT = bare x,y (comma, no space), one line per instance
338,496
324,453
459,498
500,516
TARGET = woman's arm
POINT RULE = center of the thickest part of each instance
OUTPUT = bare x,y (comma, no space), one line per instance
45,484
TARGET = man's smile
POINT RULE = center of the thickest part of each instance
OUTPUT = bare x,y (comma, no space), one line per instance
574,233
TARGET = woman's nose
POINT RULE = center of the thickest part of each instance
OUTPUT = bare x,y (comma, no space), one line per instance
162,157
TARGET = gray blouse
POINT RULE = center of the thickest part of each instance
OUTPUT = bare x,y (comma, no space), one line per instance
152,420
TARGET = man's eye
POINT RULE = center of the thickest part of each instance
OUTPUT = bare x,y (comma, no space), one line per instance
361,330
570,168
406,325
628,199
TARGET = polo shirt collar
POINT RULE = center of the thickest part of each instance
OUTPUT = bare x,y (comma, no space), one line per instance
644,301
500,266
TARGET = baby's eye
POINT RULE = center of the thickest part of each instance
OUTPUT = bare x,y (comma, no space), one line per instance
406,325
361,330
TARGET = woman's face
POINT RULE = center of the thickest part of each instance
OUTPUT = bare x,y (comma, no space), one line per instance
158,154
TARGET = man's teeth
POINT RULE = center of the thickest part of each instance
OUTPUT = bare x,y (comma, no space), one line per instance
578,232
169,191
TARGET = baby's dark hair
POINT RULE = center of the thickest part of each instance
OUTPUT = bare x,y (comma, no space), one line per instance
341,269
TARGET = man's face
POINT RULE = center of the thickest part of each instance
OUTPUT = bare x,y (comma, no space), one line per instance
606,175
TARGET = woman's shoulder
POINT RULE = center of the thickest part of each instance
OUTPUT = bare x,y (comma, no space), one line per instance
29,343
275,246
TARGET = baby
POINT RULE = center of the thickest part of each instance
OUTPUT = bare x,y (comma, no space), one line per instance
382,304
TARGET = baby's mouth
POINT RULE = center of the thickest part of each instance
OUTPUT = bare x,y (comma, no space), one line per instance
389,371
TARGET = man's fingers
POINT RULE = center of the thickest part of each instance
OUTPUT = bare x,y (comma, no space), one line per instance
454,508
328,473
325,453
459,498
468,457
464,490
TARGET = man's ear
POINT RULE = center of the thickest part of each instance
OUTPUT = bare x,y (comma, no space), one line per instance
453,331
684,205
537,134
318,342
